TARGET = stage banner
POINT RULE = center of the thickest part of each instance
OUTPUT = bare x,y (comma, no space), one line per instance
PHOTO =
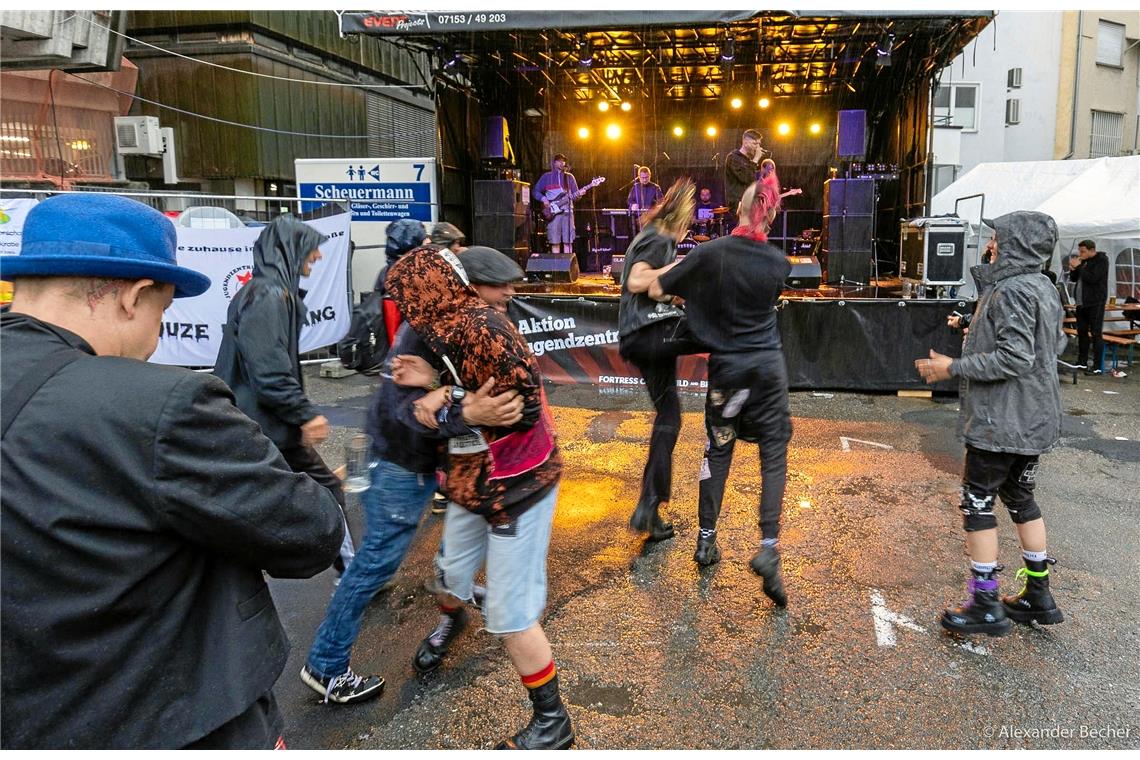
386,23
576,341
191,330
859,345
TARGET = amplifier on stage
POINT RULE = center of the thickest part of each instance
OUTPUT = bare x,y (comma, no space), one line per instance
932,250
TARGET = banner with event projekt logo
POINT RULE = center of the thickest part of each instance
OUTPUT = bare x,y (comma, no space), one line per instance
191,330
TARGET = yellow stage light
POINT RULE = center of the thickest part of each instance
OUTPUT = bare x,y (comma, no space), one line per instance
626,105
815,128
784,128
736,103
678,131
710,131
613,131
764,102
603,106
583,132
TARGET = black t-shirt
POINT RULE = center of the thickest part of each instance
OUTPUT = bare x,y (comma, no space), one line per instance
637,309
730,286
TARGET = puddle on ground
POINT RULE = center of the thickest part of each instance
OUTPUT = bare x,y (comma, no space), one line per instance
611,700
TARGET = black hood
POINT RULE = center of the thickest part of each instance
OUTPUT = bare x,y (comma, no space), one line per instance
281,250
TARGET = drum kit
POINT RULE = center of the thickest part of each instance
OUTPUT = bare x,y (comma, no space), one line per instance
710,223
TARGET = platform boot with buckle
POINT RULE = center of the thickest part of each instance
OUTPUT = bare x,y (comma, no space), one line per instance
1034,603
549,727
982,612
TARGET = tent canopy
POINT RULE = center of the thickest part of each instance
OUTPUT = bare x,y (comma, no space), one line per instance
1096,199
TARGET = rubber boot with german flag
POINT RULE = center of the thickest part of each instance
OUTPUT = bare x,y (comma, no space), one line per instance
549,727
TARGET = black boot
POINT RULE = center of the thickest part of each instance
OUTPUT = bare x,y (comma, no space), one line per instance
659,530
707,551
1033,603
647,519
982,612
429,655
549,727
766,564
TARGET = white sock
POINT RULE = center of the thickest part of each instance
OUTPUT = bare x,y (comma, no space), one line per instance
983,567
1033,556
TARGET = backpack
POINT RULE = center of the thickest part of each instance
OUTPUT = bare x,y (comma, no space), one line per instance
366,343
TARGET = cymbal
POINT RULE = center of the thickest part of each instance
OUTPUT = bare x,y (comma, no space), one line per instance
701,238
720,210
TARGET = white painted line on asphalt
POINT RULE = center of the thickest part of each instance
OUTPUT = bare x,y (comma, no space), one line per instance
846,442
886,619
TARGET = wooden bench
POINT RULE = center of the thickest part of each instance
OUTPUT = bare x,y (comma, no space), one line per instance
1114,341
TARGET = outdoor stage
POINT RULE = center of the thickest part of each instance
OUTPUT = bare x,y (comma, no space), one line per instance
849,338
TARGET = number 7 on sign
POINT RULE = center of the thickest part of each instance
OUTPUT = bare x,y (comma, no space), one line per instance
419,171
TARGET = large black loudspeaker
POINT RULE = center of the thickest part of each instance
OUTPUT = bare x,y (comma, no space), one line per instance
502,217
552,267
497,139
851,134
848,221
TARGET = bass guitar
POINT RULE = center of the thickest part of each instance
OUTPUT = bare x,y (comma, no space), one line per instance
557,200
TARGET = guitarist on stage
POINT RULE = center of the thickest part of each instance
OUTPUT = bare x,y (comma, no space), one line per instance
558,182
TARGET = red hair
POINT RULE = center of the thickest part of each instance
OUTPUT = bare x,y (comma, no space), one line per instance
765,196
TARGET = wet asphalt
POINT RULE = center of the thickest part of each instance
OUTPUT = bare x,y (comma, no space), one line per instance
657,653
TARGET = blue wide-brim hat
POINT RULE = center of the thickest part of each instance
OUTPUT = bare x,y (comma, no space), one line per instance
101,235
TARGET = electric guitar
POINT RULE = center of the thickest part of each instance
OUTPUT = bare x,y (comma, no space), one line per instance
557,201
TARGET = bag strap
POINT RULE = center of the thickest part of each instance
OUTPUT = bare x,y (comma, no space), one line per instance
31,382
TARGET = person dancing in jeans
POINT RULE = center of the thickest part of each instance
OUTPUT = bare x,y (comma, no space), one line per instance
652,336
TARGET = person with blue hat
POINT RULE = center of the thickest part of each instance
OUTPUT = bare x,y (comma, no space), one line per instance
140,507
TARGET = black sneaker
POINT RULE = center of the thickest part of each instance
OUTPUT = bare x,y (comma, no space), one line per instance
766,564
438,504
707,551
345,688
432,649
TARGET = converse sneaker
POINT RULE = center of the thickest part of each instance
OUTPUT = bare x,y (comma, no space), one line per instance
438,504
345,688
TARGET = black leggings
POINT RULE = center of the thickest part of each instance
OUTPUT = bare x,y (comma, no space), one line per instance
654,350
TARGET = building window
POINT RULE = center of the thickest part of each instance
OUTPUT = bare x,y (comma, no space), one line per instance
955,105
1128,273
1013,78
1107,134
944,176
1110,43
1012,111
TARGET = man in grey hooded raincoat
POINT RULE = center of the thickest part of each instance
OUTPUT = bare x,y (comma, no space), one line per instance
1010,414
259,357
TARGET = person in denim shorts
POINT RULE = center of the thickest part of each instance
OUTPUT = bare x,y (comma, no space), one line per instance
503,485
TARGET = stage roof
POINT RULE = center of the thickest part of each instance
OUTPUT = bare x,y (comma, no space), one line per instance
686,55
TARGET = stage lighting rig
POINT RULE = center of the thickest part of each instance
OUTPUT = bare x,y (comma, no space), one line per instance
585,51
728,50
883,49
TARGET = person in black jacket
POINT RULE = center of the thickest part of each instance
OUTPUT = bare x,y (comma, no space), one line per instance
259,357
1089,270
140,507
740,168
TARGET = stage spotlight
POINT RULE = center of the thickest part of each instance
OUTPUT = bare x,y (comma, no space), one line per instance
815,128
603,105
585,52
764,102
736,103
613,131
678,131
728,50
626,105
710,131
583,132
883,50
784,128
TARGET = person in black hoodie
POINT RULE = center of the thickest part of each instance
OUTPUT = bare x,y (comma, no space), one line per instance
1089,270
259,358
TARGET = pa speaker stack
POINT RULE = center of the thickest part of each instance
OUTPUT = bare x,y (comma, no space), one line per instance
849,212
502,217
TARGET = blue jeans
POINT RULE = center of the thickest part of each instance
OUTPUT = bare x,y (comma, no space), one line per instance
392,510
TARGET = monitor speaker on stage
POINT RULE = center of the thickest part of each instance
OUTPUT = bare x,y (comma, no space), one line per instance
851,134
806,273
552,267
617,266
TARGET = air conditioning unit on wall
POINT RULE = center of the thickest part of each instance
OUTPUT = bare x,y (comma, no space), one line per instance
138,135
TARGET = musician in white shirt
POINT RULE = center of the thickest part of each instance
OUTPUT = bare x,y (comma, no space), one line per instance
556,190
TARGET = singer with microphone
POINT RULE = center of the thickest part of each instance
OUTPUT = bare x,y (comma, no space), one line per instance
740,168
